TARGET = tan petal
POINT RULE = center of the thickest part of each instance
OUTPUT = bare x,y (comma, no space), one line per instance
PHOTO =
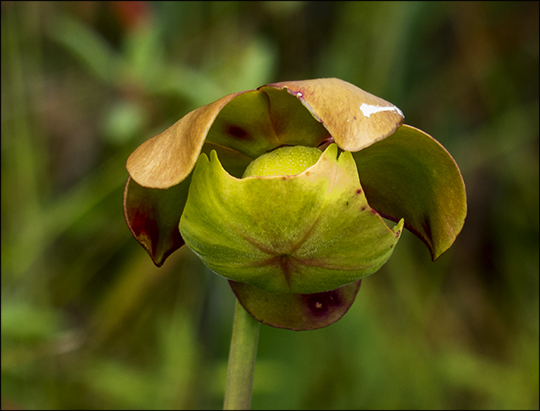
354,117
166,159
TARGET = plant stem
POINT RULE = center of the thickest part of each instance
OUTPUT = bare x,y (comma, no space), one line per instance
245,338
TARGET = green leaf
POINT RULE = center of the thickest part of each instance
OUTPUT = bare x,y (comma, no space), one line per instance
304,233
410,175
300,312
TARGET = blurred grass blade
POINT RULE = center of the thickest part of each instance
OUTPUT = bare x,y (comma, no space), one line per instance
86,44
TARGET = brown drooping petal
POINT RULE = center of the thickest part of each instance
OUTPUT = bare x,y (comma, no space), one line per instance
354,117
166,159
256,121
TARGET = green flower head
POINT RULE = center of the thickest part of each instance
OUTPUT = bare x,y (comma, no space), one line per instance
282,191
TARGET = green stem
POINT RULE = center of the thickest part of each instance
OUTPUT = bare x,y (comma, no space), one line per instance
245,338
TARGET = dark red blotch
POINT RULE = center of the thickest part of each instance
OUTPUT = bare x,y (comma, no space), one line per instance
320,304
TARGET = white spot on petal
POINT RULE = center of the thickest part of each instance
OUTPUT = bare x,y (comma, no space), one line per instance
368,109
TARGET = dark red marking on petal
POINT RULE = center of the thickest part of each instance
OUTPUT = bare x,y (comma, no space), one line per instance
358,191
238,132
142,225
363,208
146,231
320,304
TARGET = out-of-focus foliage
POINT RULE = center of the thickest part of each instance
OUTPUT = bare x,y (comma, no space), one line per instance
89,322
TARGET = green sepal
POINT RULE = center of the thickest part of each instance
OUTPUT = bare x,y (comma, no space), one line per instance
299,312
410,175
304,233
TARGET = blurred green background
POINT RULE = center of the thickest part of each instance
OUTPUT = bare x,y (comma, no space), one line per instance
88,322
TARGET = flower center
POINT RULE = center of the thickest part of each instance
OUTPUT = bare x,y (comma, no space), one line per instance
284,161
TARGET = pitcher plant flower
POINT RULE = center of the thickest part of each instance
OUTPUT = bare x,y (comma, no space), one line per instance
283,189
